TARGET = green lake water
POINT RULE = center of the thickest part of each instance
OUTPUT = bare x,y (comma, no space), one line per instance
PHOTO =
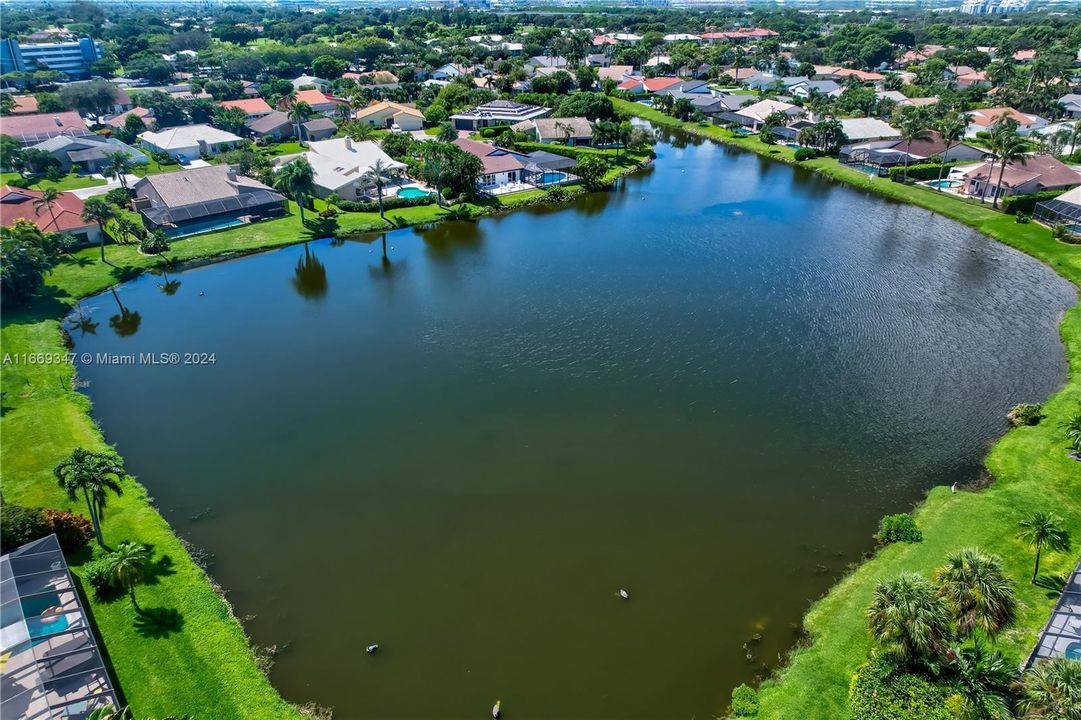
704,387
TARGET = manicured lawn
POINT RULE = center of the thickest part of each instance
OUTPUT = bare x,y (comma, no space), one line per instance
282,148
1030,467
71,181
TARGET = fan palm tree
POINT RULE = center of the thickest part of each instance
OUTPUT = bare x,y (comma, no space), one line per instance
983,680
298,113
1052,689
446,133
378,175
298,179
118,164
951,129
1043,530
977,590
127,567
913,127
1073,432
1007,147
97,210
433,170
49,196
126,226
94,475
910,620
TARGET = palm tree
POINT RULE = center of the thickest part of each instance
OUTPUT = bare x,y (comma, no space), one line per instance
298,113
983,680
297,178
446,133
118,164
910,620
48,196
951,129
127,567
977,590
94,475
379,174
126,226
1073,432
1043,530
97,210
1008,147
433,172
1052,689
913,127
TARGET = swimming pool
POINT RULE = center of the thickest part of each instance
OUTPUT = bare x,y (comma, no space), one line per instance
202,226
869,169
944,183
37,626
551,177
410,193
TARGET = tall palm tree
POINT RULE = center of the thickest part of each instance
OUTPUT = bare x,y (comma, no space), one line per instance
126,227
49,196
379,174
1044,530
298,179
910,620
97,210
447,133
94,475
433,170
1007,148
1052,689
951,129
118,164
913,127
297,114
983,679
978,591
127,567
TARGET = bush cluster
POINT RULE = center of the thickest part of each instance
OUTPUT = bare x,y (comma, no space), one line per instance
806,154
744,701
1025,414
921,171
898,528
20,525
1015,204
389,203
877,692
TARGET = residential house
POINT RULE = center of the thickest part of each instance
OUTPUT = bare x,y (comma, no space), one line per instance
884,154
65,215
573,131
254,108
308,81
88,154
387,114
918,55
805,88
984,119
497,112
32,129
547,61
974,78
638,86
739,76
617,73
1071,105
1035,174
206,198
117,121
1022,57
24,104
861,75
189,142
319,101
339,165
318,129
860,130
450,71
276,126
502,170
1062,210
686,87
382,79
753,116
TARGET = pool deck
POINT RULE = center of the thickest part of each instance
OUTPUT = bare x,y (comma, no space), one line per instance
1063,630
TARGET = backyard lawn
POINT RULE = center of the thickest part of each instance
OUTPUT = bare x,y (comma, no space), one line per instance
1030,467
71,181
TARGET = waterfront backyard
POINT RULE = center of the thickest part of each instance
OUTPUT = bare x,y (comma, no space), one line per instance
526,413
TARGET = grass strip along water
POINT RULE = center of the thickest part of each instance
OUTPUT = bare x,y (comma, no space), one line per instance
196,659
1029,465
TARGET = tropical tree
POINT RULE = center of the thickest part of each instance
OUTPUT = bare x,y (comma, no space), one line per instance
983,679
977,590
298,179
94,475
126,227
911,621
951,129
1073,432
913,127
1006,147
299,111
118,164
1043,530
48,198
1052,689
378,175
432,171
98,210
127,567
446,133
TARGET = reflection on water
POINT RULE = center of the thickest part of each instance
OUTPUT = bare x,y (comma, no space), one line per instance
463,453
127,322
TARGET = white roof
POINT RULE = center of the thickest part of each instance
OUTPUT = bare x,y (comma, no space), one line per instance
868,128
1071,196
676,37
764,108
340,161
186,136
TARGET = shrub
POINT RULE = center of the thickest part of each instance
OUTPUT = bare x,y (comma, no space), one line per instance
806,154
898,528
1022,219
389,203
328,213
1025,414
744,701
493,131
20,525
153,243
879,692
119,196
557,195
1014,204
97,576
72,531
921,171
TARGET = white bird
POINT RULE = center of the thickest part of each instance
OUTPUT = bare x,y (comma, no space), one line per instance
496,712
624,594
371,649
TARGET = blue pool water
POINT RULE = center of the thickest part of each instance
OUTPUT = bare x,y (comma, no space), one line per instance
32,609
411,192
552,177
1073,651
742,131
944,183
202,226
869,169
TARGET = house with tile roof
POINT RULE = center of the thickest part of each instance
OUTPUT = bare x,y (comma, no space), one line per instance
1034,174
274,126
640,85
339,165
317,100
24,104
573,131
1071,104
502,170
387,114
88,154
497,112
65,215
753,116
32,129
117,121
983,119
189,142
254,108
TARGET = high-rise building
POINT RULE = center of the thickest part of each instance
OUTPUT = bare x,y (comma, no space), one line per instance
73,58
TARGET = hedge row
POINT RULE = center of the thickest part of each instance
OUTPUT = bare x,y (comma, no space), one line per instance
1014,204
390,202
564,150
493,131
922,171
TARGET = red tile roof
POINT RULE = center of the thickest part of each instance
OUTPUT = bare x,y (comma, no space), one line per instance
117,121
44,125
312,97
251,106
17,203
860,74
502,162
986,117
24,104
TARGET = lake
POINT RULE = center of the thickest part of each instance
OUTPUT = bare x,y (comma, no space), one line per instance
704,387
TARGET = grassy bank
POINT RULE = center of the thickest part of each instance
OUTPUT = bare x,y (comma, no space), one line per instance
1029,465
194,659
